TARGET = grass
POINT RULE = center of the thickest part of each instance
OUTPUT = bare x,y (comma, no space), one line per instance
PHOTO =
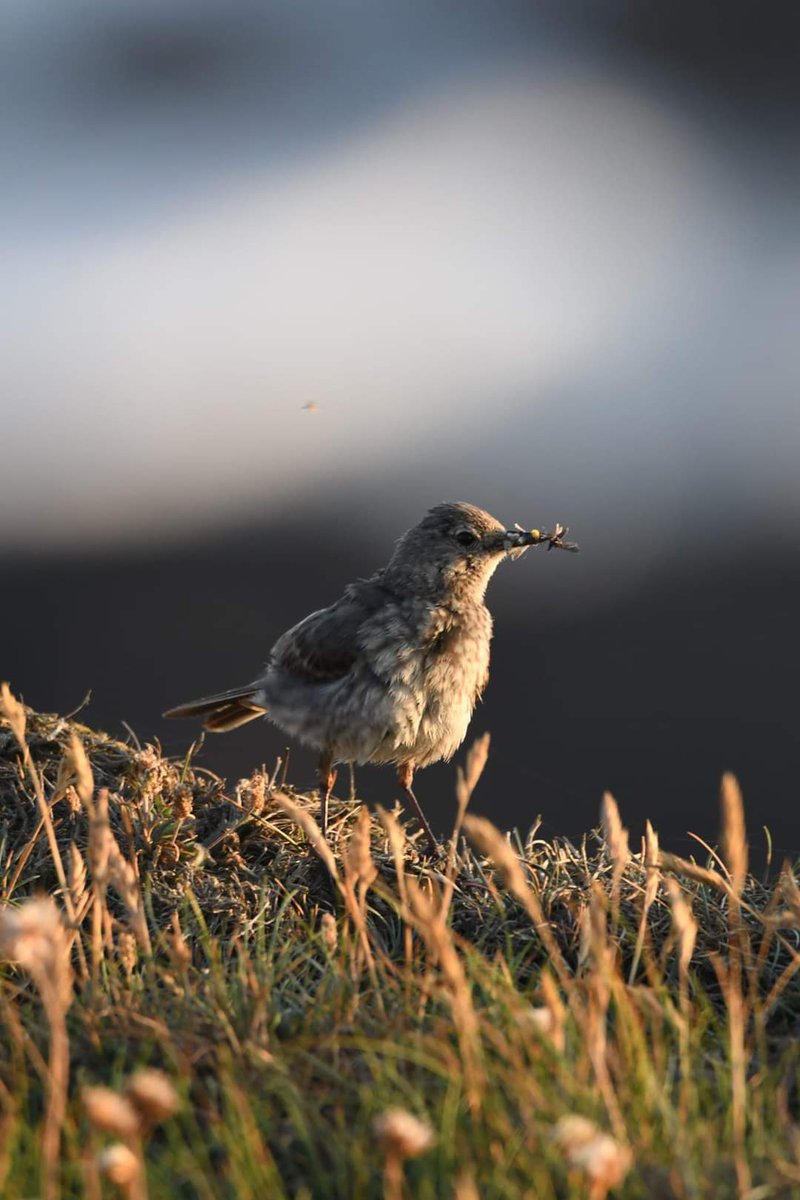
295,995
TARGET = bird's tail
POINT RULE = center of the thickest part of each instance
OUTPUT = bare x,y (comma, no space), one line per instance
226,710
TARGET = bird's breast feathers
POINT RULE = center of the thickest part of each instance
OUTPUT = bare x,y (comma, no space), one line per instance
381,680
434,677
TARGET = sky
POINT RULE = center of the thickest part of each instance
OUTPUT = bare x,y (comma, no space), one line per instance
500,259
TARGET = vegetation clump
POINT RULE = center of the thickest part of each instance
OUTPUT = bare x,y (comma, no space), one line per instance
201,997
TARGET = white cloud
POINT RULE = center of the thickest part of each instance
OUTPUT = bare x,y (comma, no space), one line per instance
500,237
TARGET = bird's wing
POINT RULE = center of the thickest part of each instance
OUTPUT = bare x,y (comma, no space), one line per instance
323,647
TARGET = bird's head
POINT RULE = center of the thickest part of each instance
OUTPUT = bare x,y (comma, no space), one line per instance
456,548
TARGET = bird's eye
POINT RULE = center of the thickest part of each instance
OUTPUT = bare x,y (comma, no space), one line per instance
466,538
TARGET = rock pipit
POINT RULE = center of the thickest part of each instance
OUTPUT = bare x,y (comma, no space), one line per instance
392,671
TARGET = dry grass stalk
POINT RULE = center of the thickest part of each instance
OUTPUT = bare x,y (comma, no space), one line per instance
788,892
685,932
685,929
549,1020
734,839
126,952
82,777
735,853
360,873
650,851
108,864
360,868
179,953
684,866
396,837
466,782
652,878
468,779
100,837
730,984
704,875
14,713
33,936
490,842
598,955
465,1187
122,878
617,844
556,1007
77,877
431,925
311,829
99,842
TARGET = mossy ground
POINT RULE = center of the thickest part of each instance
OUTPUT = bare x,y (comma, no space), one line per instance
288,1031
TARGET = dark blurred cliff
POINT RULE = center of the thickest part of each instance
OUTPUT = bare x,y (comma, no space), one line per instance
652,694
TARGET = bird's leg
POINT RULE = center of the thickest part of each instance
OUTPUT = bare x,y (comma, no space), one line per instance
353,796
327,778
405,776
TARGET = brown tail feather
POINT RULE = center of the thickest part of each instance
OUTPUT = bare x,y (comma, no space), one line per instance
231,716
226,710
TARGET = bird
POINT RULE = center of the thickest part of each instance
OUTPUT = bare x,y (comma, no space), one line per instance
392,671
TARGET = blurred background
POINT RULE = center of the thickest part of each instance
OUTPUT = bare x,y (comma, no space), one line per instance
279,276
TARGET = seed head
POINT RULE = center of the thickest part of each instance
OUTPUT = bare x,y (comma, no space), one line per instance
358,861
126,949
545,1023
34,937
614,834
182,807
402,1134
541,1019
601,1159
734,839
153,1095
683,924
77,763
330,935
119,1164
179,952
109,1111
252,793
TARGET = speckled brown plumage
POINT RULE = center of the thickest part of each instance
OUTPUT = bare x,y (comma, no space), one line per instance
392,671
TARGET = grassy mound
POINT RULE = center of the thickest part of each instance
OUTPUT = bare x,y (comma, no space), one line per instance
560,1020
